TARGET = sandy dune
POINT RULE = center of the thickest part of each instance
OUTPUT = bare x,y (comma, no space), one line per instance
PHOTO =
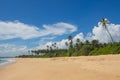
105,67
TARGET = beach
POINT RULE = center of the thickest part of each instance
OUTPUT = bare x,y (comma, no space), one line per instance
104,67
5,62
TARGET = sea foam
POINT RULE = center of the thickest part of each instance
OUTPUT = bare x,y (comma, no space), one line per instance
6,62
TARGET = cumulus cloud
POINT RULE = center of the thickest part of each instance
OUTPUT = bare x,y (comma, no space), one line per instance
16,29
98,33
59,44
10,30
79,36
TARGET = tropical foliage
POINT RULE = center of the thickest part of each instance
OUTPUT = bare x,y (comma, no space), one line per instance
79,48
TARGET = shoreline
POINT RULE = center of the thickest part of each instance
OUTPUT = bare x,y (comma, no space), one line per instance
8,62
103,67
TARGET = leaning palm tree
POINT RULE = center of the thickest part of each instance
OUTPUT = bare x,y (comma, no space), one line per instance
104,23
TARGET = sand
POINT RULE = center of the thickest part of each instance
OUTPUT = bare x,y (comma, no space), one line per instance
105,67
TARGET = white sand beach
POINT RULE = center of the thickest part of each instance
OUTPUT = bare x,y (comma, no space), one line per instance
104,67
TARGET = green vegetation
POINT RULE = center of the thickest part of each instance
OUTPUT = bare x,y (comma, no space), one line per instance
107,49
80,48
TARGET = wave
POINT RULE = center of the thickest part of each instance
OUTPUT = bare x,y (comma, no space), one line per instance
6,62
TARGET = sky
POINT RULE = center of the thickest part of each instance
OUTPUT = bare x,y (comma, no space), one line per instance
33,24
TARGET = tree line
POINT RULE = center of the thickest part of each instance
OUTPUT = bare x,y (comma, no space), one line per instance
80,48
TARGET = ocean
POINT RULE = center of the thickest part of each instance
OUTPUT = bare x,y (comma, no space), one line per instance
2,61
5,62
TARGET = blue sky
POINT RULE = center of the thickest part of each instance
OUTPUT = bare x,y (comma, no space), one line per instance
76,16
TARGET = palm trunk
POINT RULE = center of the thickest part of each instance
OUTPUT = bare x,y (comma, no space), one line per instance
109,34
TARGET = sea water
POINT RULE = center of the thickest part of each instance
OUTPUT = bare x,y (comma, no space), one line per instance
5,62
2,61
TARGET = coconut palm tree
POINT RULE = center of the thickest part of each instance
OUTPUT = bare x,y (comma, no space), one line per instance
71,45
55,45
87,42
55,49
70,39
66,43
77,46
104,23
47,48
78,40
95,43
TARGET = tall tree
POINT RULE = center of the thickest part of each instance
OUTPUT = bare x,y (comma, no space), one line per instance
70,39
95,43
104,23
71,45
55,49
78,40
47,47
54,45
66,43
77,46
87,42
71,42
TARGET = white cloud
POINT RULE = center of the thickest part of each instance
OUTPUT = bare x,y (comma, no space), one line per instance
10,30
98,32
47,38
11,50
59,28
79,36
16,29
60,44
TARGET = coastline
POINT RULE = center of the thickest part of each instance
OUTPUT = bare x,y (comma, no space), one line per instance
8,62
105,67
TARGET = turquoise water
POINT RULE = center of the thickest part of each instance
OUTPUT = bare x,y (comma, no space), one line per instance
2,61
5,62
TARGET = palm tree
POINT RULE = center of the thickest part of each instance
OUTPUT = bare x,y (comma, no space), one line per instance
77,45
47,47
71,45
66,43
55,45
78,40
55,48
29,52
87,42
104,23
70,39
95,43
